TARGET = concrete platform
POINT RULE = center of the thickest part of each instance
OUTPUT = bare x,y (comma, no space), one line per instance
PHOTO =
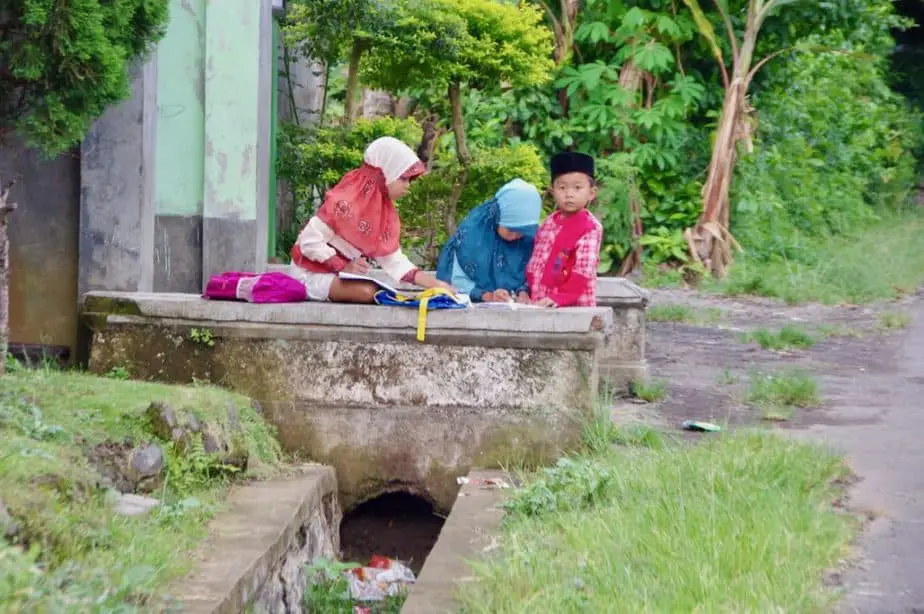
349,386
254,558
469,534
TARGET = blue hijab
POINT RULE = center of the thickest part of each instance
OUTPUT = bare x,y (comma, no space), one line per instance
476,259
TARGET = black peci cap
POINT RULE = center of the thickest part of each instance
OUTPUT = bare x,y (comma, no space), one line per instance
572,162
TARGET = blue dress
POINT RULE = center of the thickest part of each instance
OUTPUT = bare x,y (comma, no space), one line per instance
477,260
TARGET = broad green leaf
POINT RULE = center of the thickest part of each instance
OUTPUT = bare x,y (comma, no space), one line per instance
653,57
593,32
635,18
668,26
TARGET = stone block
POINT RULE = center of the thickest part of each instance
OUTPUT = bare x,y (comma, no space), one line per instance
255,556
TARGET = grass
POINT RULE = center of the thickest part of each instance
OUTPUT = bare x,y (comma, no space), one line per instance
82,556
788,337
672,312
878,262
894,320
779,395
739,523
837,330
727,378
649,390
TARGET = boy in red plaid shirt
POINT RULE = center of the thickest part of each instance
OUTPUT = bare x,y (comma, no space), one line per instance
562,271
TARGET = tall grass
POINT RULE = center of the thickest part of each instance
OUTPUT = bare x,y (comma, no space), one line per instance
880,261
742,523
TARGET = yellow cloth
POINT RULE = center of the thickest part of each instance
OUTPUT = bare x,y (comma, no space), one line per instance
424,298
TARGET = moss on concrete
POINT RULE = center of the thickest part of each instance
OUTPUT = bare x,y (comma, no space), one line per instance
527,445
110,305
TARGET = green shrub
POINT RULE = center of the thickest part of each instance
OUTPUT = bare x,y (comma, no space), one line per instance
835,150
313,160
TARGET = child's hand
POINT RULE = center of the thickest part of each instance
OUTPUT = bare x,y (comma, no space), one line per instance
426,280
523,298
545,302
359,266
487,297
445,286
501,295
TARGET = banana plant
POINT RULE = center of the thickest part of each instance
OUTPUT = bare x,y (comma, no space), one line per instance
710,242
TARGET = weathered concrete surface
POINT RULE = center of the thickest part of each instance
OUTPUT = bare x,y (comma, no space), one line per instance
469,534
623,359
117,191
257,550
350,386
43,245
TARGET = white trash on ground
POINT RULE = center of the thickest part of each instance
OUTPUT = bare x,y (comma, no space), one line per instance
383,577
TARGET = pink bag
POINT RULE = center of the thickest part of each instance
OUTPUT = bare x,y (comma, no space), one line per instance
271,287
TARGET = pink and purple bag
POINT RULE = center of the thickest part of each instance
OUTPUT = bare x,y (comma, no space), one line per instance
273,287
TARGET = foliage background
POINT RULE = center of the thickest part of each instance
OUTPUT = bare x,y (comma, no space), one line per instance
63,63
837,129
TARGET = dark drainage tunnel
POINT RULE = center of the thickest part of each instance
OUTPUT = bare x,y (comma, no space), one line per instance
397,525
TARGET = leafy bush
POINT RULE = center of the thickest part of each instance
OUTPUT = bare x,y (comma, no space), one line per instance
835,147
62,64
312,160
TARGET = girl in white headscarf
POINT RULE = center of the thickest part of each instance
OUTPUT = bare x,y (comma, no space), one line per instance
358,223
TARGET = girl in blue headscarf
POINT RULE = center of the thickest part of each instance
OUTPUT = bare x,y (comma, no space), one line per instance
487,255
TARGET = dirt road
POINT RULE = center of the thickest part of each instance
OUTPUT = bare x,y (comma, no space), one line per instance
869,364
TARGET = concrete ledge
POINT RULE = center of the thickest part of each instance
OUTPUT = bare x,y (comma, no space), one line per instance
256,550
611,291
365,319
468,535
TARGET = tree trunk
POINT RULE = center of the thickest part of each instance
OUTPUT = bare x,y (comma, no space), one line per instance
377,103
631,78
458,124
465,158
710,241
428,140
6,207
352,86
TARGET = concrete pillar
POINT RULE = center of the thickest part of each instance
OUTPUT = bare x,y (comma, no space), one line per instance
116,242
302,93
237,43
175,181
180,155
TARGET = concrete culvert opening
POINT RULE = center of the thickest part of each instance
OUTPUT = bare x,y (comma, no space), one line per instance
398,525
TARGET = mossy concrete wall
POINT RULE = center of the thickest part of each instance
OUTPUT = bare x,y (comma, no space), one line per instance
349,386
623,359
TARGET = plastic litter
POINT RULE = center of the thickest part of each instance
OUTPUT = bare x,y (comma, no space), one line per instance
487,484
382,577
695,425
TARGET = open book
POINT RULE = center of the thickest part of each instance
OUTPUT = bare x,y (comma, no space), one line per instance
381,284
460,298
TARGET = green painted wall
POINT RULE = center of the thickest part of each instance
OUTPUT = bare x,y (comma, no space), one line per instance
274,132
180,147
232,70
